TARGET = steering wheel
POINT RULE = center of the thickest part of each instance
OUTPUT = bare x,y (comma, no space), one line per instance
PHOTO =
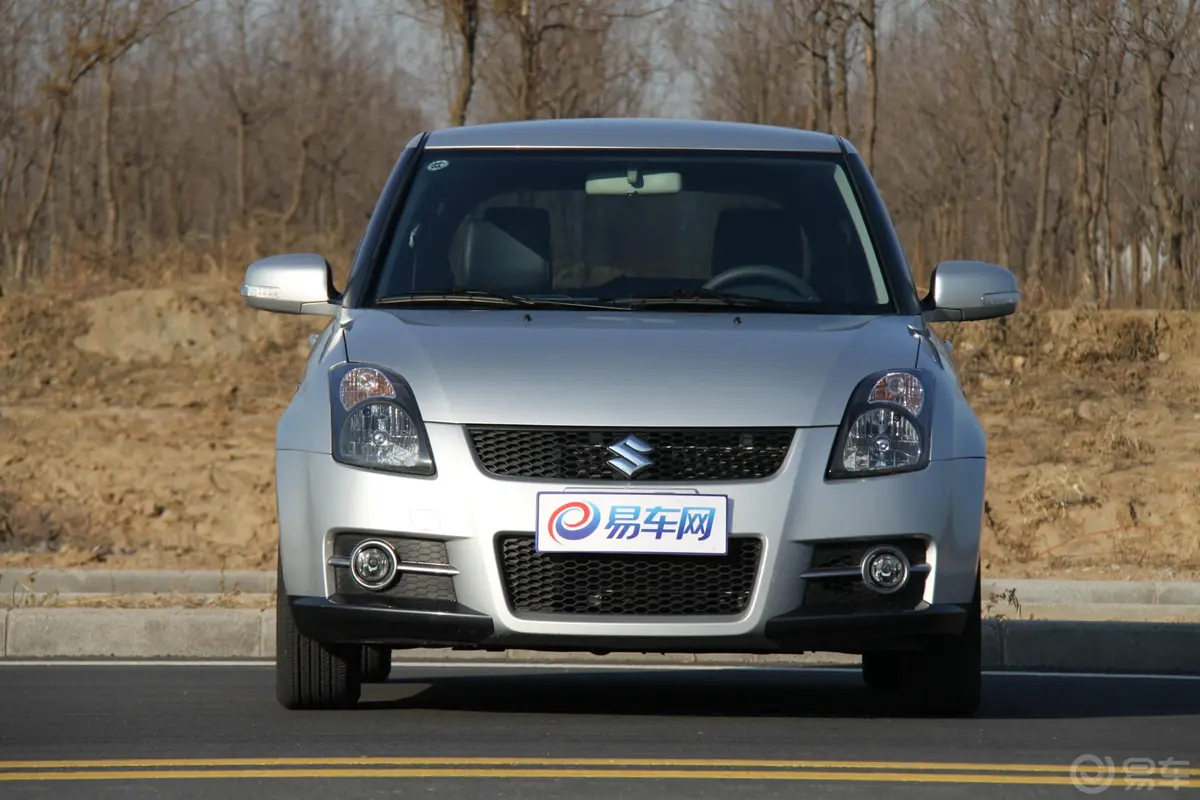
742,274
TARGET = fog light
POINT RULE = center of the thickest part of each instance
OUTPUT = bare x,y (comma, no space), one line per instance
885,570
373,565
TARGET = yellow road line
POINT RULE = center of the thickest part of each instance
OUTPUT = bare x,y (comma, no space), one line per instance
628,774
547,763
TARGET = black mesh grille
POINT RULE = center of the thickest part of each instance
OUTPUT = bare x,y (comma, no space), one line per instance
849,594
409,586
848,555
422,551
680,454
570,583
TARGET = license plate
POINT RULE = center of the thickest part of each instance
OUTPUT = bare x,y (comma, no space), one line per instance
610,522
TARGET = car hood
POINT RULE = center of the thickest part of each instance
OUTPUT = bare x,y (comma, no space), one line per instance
629,369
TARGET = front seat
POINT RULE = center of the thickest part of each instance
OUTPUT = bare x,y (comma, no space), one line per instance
507,250
765,236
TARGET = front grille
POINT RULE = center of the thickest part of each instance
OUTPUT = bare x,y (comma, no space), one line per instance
627,584
679,454
408,586
413,550
848,594
849,555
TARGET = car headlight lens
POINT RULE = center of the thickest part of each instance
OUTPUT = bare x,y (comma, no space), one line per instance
881,439
376,422
886,427
380,433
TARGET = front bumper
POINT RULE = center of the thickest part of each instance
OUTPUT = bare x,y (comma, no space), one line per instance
402,626
467,513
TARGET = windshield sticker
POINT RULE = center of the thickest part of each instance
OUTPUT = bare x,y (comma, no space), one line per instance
436,165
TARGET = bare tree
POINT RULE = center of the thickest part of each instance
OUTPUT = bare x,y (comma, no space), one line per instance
120,25
72,56
867,15
460,21
569,58
765,62
15,45
1158,31
1053,83
459,24
104,134
840,18
1058,136
241,85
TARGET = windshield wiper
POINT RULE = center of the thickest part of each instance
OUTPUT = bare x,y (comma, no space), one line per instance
707,297
468,296
453,296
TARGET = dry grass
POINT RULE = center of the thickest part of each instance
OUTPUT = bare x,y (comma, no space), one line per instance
192,260
1051,498
1120,439
1007,598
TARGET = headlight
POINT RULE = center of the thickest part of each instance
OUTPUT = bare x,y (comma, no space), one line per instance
376,422
886,427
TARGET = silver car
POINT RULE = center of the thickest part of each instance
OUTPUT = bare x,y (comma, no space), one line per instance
630,386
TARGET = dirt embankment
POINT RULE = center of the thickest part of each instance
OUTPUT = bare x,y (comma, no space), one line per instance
1094,441
136,430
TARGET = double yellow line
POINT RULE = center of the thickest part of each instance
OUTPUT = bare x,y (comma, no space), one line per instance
591,768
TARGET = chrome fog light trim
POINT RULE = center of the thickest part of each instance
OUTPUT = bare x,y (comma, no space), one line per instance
374,565
885,569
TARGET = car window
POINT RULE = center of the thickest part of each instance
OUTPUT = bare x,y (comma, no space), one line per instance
610,225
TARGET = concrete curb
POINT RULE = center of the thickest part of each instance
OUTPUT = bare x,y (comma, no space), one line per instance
1170,648
215,582
135,581
136,633
1068,592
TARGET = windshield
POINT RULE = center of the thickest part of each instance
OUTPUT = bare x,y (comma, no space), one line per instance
634,229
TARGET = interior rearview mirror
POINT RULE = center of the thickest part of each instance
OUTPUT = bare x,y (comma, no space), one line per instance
634,182
297,283
965,291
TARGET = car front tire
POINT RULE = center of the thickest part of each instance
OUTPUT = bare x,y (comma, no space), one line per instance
945,678
376,663
882,670
308,673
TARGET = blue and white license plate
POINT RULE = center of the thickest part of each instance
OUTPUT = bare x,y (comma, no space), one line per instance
610,522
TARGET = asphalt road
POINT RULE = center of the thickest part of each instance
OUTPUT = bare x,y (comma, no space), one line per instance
203,731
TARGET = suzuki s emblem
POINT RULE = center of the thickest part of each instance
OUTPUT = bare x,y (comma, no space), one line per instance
630,456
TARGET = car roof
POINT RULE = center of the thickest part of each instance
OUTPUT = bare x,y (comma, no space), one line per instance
682,134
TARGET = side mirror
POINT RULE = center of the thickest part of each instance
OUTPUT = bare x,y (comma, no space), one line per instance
965,291
299,283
